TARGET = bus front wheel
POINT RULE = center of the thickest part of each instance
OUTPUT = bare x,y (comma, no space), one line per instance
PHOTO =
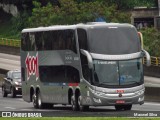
127,107
123,107
82,107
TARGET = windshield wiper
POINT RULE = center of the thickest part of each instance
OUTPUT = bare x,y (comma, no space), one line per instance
138,83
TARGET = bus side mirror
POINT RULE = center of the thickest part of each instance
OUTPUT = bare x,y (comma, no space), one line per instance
89,58
141,38
148,58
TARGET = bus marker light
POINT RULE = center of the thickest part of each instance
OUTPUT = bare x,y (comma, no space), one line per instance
73,84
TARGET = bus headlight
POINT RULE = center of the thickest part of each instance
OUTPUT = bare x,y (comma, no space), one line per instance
141,99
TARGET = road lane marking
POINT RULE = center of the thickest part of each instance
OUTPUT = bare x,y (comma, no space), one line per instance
10,108
26,109
152,103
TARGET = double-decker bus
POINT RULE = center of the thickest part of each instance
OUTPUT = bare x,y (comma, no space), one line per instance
95,64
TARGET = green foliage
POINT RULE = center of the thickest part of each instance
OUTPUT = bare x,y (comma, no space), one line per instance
71,12
82,11
19,22
129,4
151,38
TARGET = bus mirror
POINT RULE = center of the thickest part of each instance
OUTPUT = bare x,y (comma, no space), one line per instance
89,58
148,58
141,38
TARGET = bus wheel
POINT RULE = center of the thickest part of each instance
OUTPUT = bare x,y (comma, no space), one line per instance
127,107
118,107
34,100
74,103
82,107
39,101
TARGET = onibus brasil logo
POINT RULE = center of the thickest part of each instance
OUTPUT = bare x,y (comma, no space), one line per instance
32,66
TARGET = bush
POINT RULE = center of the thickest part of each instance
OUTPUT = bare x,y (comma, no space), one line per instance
151,41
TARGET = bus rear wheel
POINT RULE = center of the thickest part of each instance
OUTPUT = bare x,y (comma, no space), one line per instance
42,105
35,101
74,103
39,101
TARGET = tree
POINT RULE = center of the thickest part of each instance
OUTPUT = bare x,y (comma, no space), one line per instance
151,41
71,12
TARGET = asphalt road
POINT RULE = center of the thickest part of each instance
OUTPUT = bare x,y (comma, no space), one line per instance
9,62
18,105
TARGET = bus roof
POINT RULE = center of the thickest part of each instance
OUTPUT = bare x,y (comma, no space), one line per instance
80,25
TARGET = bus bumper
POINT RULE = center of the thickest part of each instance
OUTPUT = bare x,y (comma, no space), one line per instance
111,99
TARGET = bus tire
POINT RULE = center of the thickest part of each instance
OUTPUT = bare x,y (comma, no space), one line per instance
82,107
74,103
128,107
39,101
118,107
35,101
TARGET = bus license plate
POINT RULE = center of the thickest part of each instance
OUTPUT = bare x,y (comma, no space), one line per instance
120,101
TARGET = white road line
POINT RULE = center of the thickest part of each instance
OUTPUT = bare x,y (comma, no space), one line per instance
26,109
10,108
152,103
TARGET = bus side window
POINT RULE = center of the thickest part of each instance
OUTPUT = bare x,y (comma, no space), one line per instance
25,41
70,40
72,75
38,40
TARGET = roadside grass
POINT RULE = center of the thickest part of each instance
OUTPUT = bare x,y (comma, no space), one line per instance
80,118
6,30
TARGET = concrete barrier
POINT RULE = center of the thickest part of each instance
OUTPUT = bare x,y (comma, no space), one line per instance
153,71
152,94
10,50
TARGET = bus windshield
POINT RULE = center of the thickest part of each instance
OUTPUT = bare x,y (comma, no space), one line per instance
113,40
118,73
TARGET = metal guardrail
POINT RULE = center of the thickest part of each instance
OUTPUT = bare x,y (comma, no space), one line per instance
155,61
10,42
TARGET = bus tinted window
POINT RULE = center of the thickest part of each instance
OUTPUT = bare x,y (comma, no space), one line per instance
39,40
58,74
25,42
49,40
32,46
114,40
82,39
